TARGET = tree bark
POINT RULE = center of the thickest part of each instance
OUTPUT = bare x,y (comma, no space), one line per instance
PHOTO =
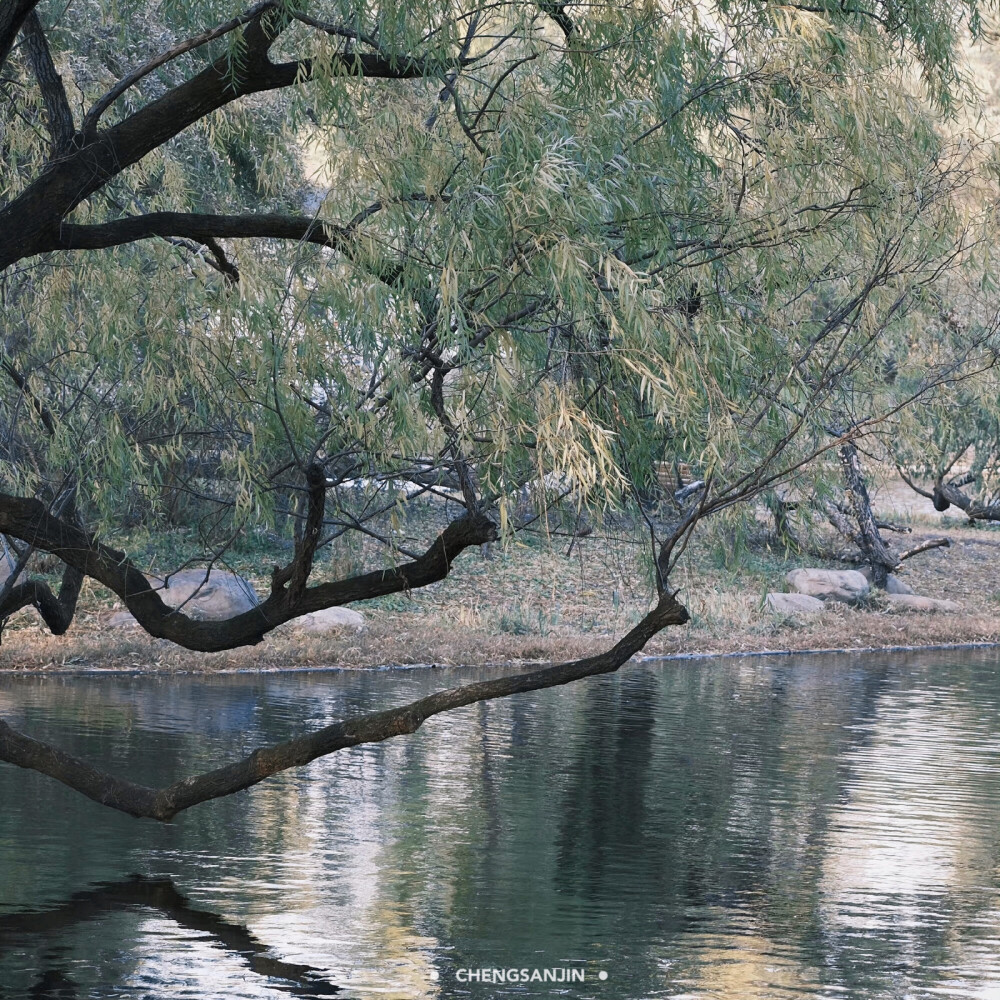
867,536
164,803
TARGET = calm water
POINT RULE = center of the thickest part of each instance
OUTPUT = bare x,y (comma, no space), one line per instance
811,827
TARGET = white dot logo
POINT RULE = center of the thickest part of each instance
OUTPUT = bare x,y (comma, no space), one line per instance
602,975
434,974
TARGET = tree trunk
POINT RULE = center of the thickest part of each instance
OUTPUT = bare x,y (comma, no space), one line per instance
869,539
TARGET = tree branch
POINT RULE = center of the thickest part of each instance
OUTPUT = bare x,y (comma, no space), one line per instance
12,16
34,217
30,521
59,117
203,228
164,803
557,11
93,116
931,543
946,494
296,573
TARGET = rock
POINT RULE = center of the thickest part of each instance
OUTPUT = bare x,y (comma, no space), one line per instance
331,620
893,584
121,619
221,595
791,604
846,585
913,602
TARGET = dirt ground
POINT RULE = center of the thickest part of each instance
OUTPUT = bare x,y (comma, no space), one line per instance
534,602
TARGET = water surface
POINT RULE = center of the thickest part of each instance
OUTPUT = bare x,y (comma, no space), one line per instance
759,828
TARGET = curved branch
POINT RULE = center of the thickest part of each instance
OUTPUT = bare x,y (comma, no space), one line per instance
33,218
93,116
57,610
974,510
164,803
30,521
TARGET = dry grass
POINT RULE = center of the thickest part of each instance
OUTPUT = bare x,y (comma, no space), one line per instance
533,603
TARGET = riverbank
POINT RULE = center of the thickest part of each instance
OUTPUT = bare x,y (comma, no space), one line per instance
536,603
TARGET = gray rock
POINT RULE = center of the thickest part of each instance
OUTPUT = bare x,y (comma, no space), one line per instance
216,596
331,620
219,596
121,619
913,602
791,604
845,585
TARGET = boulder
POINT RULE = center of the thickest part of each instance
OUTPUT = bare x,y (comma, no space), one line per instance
845,585
218,595
221,595
331,620
913,602
121,619
791,604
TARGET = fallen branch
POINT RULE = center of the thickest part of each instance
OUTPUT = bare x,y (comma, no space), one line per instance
931,543
164,803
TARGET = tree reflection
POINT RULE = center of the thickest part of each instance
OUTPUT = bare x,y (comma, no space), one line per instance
161,895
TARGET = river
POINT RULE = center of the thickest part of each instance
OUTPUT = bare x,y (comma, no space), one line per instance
804,826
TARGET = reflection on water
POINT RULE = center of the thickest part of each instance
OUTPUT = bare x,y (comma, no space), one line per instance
765,828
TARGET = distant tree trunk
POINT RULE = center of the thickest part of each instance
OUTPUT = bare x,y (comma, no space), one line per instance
867,536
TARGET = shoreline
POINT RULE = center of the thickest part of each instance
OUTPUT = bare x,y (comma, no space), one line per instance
89,672
531,605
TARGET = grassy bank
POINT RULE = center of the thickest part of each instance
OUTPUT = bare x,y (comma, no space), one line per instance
534,601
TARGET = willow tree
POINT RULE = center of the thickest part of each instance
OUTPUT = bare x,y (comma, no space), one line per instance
328,249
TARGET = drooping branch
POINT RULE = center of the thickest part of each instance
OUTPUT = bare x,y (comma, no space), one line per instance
59,117
30,521
164,803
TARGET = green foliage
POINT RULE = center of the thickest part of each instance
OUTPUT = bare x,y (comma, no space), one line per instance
682,234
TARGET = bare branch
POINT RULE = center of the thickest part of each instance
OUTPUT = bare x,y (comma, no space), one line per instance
932,543
30,521
557,11
204,228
